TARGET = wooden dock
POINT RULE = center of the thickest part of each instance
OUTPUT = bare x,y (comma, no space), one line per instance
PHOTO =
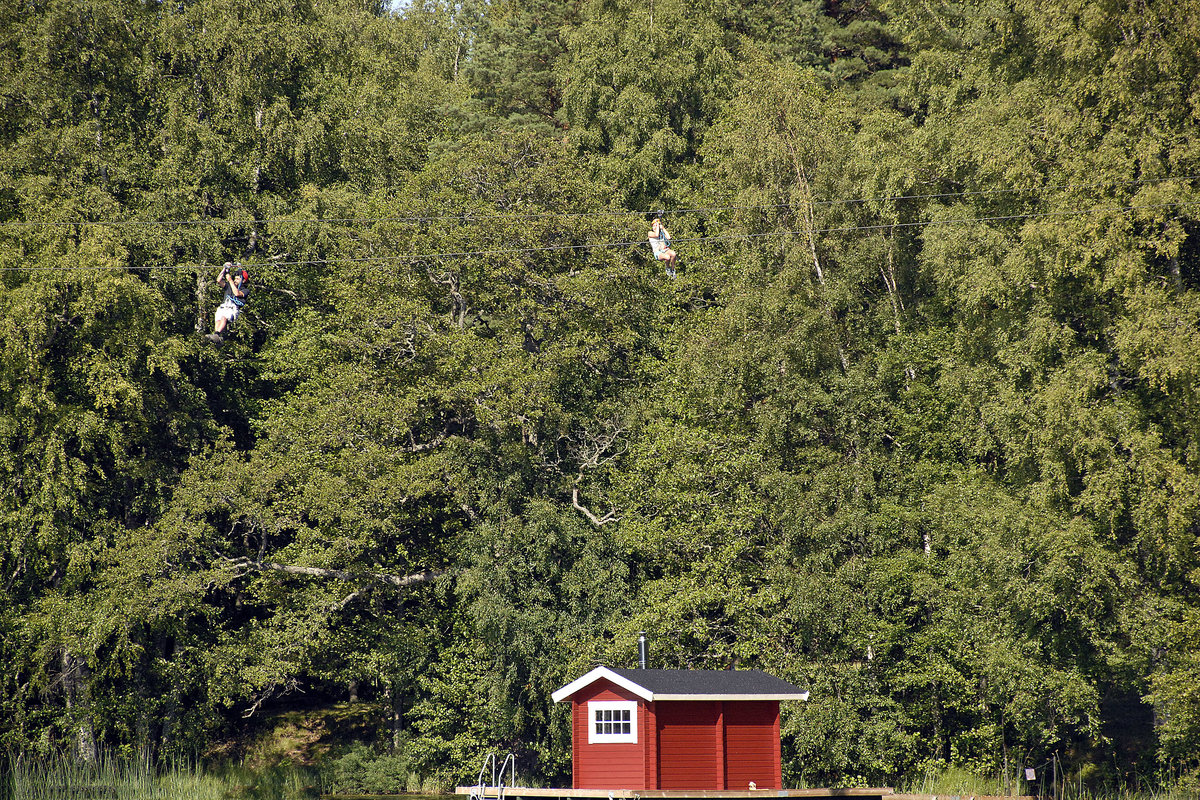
876,793
490,792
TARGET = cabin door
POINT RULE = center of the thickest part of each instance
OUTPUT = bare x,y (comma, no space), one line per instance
687,745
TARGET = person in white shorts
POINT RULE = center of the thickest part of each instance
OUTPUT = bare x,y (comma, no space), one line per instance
660,243
236,282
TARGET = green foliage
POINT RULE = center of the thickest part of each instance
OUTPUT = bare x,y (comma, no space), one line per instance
363,771
513,64
915,427
1173,691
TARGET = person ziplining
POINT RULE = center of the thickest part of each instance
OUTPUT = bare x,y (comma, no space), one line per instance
237,292
660,243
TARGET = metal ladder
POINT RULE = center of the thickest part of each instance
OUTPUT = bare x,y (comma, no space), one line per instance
509,763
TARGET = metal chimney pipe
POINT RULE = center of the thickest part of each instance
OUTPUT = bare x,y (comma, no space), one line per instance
643,654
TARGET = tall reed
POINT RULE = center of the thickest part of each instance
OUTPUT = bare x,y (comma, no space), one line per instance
57,777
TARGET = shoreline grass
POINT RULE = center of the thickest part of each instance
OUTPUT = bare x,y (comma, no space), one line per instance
58,777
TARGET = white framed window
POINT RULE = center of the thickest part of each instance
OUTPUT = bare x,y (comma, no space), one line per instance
612,721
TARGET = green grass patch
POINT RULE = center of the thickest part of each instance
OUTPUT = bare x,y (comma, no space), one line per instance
354,770
956,781
952,782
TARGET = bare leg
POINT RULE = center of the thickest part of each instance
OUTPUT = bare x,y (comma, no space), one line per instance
218,329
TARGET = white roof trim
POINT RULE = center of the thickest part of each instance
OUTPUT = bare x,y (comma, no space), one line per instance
779,696
595,675
604,672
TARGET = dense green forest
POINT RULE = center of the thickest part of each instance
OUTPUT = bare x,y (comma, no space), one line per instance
917,426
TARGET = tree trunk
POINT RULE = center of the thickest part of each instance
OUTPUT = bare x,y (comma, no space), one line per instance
811,235
397,704
198,92
169,743
1004,749
258,126
145,720
889,280
77,692
201,286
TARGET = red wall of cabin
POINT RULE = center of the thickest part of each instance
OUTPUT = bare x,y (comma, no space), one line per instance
688,744
608,766
752,745
681,745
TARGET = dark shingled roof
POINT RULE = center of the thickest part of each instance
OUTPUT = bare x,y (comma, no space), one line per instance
707,681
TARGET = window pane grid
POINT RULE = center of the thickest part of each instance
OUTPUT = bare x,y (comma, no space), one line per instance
613,721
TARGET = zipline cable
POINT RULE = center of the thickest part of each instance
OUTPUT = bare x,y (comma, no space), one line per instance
469,217
564,247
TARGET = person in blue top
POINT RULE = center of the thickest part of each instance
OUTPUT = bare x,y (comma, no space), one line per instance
236,282
660,243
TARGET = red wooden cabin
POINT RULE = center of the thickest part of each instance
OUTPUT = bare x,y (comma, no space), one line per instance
676,728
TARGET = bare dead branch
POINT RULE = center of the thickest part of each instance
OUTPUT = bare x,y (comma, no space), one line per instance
414,447
288,292
611,516
593,450
596,449
458,304
350,598
271,691
399,581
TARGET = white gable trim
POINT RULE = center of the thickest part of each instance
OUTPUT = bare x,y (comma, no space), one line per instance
600,672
